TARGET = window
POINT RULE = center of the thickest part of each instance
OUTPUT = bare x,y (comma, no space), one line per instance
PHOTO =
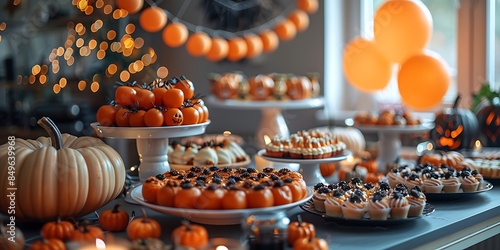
459,36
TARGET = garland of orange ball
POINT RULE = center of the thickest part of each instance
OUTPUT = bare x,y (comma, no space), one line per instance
216,48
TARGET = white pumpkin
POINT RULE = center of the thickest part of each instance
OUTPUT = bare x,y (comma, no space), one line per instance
353,138
60,175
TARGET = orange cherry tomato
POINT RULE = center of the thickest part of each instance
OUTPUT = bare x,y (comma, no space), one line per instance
136,119
186,86
106,115
205,114
122,117
125,96
259,196
173,98
153,118
296,189
201,112
191,115
173,117
159,92
145,98
234,199
166,194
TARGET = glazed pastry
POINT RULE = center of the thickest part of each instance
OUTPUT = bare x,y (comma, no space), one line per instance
206,156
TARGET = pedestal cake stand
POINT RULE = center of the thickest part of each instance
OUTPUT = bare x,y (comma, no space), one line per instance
272,121
152,143
309,168
389,144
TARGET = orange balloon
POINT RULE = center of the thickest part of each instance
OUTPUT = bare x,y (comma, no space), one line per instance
254,45
218,50
175,34
237,49
423,80
198,44
402,29
365,67
300,19
286,30
270,40
153,19
310,6
131,6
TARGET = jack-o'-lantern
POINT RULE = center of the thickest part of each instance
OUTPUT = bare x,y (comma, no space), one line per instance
298,87
455,128
226,86
489,122
261,87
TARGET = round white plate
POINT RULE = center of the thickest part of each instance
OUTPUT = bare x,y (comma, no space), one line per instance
215,217
233,165
396,128
289,104
340,157
149,132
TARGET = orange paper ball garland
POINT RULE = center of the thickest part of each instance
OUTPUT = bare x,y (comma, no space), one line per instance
209,43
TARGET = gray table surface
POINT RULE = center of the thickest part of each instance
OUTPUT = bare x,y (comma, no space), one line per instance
449,216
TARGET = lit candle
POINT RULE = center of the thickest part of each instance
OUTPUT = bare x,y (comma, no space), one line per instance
225,244
477,146
100,244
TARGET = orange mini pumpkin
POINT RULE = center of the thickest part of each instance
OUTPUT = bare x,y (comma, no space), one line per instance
310,244
86,233
48,244
328,169
190,235
299,229
59,229
143,228
371,165
114,220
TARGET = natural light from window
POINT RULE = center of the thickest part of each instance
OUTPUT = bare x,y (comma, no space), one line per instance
443,41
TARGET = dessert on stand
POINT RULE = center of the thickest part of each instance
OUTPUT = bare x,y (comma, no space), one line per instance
308,149
151,114
270,93
389,126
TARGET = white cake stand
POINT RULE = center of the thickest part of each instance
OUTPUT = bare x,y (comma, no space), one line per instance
309,168
389,144
272,122
152,143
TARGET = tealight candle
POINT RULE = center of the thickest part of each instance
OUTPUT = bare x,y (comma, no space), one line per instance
100,245
225,244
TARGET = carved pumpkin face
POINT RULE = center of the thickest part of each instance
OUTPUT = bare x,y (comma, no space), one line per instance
454,129
489,121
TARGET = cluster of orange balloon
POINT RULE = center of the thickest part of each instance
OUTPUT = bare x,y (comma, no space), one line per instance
402,29
216,48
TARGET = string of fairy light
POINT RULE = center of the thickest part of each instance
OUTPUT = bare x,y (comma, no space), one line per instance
77,42
81,40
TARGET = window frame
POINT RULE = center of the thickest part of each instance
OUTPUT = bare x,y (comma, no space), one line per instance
475,52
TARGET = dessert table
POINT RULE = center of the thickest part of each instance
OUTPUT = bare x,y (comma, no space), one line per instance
455,224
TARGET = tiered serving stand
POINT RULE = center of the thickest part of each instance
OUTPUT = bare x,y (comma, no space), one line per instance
309,168
389,145
152,143
272,122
